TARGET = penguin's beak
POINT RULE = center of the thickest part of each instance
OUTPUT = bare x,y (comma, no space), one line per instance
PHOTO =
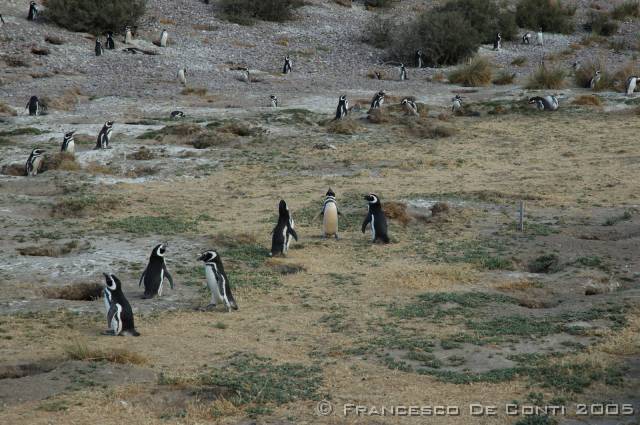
201,257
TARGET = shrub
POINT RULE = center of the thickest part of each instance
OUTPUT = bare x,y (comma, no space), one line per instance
486,17
477,73
378,31
519,61
599,23
95,17
628,8
346,126
505,77
378,3
246,12
551,16
544,78
588,100
587,71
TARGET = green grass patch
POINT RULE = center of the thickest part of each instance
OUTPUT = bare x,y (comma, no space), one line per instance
22,132
432,305
612,221
153,225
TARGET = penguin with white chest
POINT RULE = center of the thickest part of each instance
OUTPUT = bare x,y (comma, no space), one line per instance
330,215
595,80
497,42
164,36
104,137
403,72
545,103
155,272
631,84
343,108
526,38
120,313
182,76
376,218
456,104
128,37
378,100
419,59
409,107
33,11
98,48
68,144
287,68
34,162
283,232
217,281
33,105
274,101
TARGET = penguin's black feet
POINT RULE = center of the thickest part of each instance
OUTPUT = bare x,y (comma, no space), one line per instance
107,332
337,237
210,307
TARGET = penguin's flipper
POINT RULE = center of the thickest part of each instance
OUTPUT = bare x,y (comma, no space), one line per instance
166,272
293,233
142,277
366,221
339,213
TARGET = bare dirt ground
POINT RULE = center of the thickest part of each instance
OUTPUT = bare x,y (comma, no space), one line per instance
461,308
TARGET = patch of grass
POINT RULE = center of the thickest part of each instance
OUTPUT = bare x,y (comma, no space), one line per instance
75,292
346,126
79,205
547,78
54,39
16,61
587,100
477,73
89,16
194,91
153,225
31,131
6,110
598,23
220,325
142,154
593,261
519,61
504,78
549,263
630,8
537,420
79,350
551,16
447,304
247,12
40,51
612,221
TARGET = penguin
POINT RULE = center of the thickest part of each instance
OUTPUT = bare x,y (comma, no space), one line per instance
177,114
155,272
217,281
497,42
343,107
419,59
104,137
68,144
274,101
630,87
410,107
246,75
330,215
377,100
283,231
120,313
375,217
110,43
182,76
403,72
526,38
107,296
34,106
1,20
546,103
593,82
164,35
456,104
34,162
128,38
98,48
287,65
576,66
33,11
539,37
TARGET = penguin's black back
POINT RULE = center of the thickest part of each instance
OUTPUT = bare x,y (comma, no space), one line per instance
153,276
117,297
379,221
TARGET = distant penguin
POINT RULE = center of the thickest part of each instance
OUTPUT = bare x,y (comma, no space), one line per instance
343,107
377,100
593,82
98,48
330,215
497,42
104,137
33,11
283,231
409,107
630,86
540,37
164,36
1,20
375,217
128,37
120,313
110,43
33,105
526,38
545,103
274,101
456,105
287,68
155,272
182,76
575,66
403,72
34,162
68,144
217,281
177,115
419,59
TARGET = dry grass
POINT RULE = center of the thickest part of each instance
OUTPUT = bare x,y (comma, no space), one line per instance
63,161
194,91
504,78
74,292
547,78
346,126
97,168
587,100
378,116
476,73
519,61
40,51
54,39
205,27
79,350
345,3
53,250
65,102
13,170
16,61
396,211
586,72
6,110
142,154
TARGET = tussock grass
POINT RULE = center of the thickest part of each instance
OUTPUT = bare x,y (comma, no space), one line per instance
346,126
16,61
476,73
75,292
504,78
40,51
630,8
194,91
63,161
80,350
345,3
587,100
142,154
80,205
65,102
6,110
54,39
519,61
546,78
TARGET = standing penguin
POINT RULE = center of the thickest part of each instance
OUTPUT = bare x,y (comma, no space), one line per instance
287,65
526,38
377,100
630,87
182,76
403,72
375,217
34,162
497,42
343,107
104,137
128,37
539,37
274,101
419,59
98,48
593,82
68,144
409,107
120,313
110,43
283,231
456,105
155,272
217,281
33,11
330,215
1,20
33,105
164,36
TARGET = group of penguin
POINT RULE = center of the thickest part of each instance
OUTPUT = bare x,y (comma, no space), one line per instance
526,39
120,319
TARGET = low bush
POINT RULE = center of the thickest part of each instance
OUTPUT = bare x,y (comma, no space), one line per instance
246,12
477,73
588,100
551,16
545,78
486,16
504,78
599,23
630,8
94,16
